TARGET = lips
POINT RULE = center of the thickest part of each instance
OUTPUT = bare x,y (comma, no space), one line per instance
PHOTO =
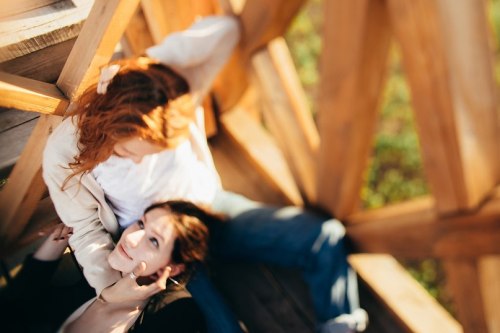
121,249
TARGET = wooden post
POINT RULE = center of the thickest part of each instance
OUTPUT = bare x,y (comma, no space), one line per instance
287,114
489,273
449,68
463,280
356,42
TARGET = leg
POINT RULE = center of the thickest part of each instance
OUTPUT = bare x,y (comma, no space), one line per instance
218,316
290,237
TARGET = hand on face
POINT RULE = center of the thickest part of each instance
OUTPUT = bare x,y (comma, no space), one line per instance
128,290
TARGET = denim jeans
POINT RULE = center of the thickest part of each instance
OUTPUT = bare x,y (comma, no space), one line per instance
284,236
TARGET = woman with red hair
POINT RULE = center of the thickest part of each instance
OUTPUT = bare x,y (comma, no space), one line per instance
137,138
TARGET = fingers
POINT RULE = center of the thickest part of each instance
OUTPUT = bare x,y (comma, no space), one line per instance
162,280
139,269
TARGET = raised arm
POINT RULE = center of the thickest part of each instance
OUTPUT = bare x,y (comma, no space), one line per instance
199,52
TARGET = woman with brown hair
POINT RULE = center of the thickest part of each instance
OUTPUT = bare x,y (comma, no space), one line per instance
137,137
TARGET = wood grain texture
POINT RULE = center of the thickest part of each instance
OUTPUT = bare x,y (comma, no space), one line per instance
264,20
449,67
261,152
287,114
95,44
42,27
352,69
20,196
43,65
415,230
418,311
489,273
462,278
30,95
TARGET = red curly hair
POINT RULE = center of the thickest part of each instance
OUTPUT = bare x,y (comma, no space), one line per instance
144,99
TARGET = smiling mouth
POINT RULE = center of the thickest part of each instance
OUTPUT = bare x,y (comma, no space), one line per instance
121,249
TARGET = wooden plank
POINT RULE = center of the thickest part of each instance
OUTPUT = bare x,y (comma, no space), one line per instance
43,220
19,197
42,65
352,75
261,151
449,67
42,27
10,118
30,95
13,141
95,44
489,271
164,17
381,318
20,6
287,114
408,301
415,230
238,175
137,37
261,305
463,281
264,20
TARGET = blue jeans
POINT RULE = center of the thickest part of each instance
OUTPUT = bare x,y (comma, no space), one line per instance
286,236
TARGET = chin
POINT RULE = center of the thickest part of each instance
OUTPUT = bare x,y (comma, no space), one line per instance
115,262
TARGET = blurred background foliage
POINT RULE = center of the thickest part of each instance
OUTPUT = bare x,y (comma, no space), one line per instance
395,171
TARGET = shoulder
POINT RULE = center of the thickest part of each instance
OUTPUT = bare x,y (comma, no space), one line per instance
61,145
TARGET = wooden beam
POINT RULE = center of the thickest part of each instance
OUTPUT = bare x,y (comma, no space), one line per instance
13,141
462,279
489,271
25,187
95,44
261,151
262,21
415,230
30,95
41,27
352,75
43,65
20,6
449,67
165,17
287,114
418,311
137,37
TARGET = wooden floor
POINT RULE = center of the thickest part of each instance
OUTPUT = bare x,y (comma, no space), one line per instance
265,299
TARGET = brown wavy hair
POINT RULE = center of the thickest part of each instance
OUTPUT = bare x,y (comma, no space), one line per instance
144,99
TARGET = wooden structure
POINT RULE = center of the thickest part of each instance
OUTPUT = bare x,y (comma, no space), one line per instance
449,68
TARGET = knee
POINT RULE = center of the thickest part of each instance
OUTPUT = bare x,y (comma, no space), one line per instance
332,233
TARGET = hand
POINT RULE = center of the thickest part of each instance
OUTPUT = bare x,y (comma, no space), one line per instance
128,290
55,244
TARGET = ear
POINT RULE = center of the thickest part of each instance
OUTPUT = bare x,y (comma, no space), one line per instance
176,269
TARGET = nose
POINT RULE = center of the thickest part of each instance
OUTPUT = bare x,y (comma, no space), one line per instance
134,238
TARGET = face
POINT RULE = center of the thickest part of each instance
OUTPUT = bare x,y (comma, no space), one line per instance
136,148
150,240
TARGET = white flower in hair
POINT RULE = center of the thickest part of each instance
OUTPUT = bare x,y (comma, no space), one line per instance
107,75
